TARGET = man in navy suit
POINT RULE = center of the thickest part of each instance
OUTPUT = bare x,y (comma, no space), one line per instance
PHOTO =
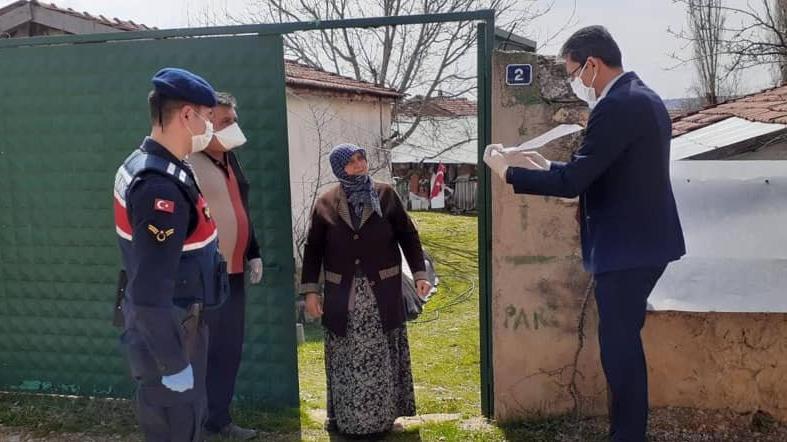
628,218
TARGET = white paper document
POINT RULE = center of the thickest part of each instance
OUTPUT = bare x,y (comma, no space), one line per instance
543,139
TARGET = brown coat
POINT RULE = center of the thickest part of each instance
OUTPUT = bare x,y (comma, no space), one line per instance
333,245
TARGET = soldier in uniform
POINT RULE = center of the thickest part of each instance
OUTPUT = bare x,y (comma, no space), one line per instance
172,268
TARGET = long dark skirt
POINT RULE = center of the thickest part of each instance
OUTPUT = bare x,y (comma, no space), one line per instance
370,382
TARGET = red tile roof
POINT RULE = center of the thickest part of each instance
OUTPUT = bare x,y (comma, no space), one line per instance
302,76
440,107
768,106
114,23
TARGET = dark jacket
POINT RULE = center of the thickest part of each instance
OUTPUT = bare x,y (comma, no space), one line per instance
621,173
335,246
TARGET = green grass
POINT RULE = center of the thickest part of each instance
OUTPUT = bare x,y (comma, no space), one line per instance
44,414
47,417
444,347
59,414
444,341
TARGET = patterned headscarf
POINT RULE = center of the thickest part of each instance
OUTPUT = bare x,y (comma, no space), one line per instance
358,188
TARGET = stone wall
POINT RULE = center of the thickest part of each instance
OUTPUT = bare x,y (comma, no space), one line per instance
545,349
538,281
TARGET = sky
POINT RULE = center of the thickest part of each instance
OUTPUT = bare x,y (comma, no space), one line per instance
639,27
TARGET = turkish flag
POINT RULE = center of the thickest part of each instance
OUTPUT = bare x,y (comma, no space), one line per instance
439,181
164,205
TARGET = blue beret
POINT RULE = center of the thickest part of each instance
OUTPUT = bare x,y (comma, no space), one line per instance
184,85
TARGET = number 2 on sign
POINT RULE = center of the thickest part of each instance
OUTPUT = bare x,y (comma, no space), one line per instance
519,74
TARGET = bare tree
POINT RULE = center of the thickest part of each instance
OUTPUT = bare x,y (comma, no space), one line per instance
754,35
322,121
413,60
706,21
757,35
781,24
312,180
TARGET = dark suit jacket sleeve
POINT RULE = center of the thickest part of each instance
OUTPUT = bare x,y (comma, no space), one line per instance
606,137
253,250
407,235
313,253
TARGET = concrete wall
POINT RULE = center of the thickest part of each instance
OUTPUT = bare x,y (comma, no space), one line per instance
718,360
538,282
545,359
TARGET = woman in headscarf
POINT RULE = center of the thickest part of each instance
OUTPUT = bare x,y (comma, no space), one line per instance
356,230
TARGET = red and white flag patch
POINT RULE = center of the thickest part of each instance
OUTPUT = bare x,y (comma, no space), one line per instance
164,205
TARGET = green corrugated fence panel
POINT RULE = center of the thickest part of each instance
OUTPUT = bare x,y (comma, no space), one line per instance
69,114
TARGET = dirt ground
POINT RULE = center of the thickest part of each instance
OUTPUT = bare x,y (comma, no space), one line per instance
668,425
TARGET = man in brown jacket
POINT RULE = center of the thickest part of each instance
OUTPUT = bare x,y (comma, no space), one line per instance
227,192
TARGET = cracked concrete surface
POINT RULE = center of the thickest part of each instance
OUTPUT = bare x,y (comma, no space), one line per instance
696,360
537,269
718,360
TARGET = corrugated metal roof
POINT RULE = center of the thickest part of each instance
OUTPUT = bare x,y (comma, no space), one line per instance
408,153
438,107
506,39
727,132
442,140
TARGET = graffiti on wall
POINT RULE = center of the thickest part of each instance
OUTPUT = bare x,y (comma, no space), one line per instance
521,319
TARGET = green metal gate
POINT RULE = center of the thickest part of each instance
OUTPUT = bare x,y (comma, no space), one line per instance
71,108
69,114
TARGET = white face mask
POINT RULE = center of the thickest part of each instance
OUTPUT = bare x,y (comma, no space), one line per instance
200,142
584,93
231,137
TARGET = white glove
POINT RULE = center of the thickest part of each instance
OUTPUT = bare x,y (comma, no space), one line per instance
255,270
495,160
179,382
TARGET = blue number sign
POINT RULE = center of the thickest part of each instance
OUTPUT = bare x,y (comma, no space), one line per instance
519,74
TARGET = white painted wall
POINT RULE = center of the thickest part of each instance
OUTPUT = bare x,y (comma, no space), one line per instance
315,124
